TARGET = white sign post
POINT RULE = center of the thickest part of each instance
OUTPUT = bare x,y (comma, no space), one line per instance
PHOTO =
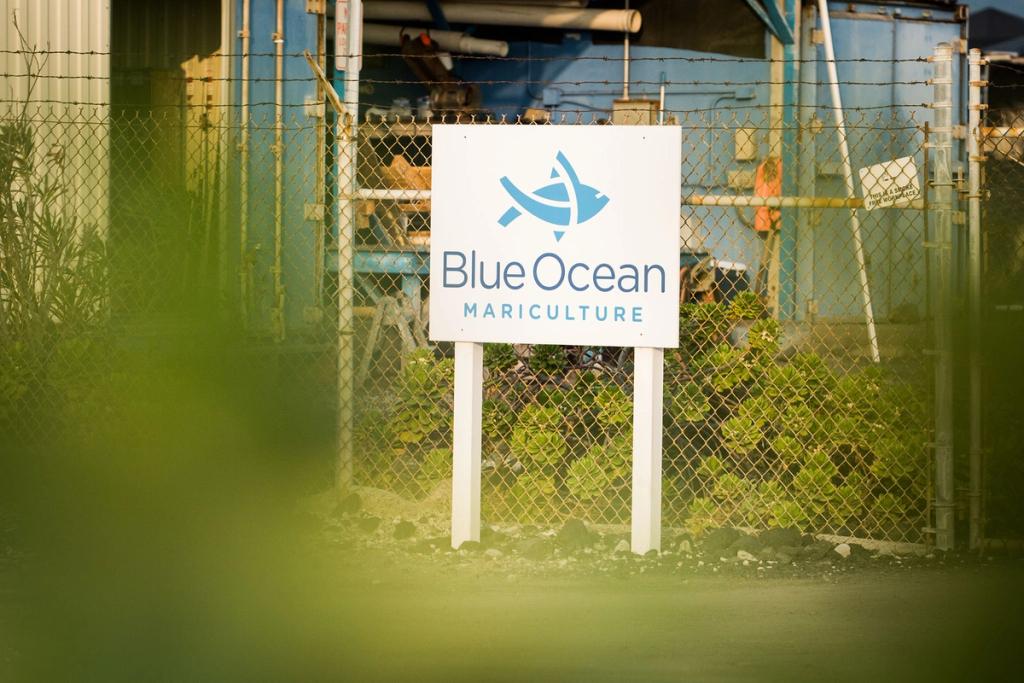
556,235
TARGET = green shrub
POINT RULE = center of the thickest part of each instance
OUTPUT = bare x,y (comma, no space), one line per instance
437,465
703,514
731,489
548,359
897,456
424,407
687,403
789,449
786,512
538,446
797,419
500,357
702,327
759,410
813,484
818,376
615,406
887,510
848,500
746,305
763,338
783,385
711,468
727,366
588,477
740,435
533,490
498,420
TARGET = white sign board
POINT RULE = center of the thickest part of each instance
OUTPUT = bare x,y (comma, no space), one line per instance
555,234
892,183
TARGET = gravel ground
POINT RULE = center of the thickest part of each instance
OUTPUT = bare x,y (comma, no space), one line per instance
368,589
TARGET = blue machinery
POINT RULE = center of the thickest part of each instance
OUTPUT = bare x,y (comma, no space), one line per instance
283,267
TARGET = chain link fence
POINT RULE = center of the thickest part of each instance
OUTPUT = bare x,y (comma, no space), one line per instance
788,403
775,413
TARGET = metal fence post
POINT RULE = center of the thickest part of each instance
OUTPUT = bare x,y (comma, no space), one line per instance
942,145
348,131
974,158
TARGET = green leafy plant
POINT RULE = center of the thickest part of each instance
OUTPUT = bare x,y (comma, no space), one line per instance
54,267
746,305
548,359
763,338
758,409
897,456
588,477
727,367
615,406
786,512
500,357
740,435
424,407
848,500
711,468
533,490
436,465
732,489
797,419
537,438
887,510
818,376
703,513
813,483
687,403
498,419
702,327
789,449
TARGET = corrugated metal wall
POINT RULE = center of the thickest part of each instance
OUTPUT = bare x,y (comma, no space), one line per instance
70,98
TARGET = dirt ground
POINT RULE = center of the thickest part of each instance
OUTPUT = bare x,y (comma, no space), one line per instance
961,623
365,615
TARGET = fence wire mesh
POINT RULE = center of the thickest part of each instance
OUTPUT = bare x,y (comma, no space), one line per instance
776,413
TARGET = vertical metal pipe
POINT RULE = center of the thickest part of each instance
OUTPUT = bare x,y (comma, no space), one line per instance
319,257
243,176
661,98
974,159
625,61
278,311
349,57
942,146
851,190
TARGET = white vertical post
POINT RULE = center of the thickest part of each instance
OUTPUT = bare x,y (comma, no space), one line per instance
648,372
469,379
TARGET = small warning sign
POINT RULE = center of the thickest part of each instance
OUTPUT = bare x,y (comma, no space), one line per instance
892,183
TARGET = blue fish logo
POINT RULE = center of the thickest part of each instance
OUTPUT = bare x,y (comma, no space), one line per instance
565,202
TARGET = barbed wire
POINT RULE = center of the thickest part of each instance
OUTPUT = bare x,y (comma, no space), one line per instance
494,58
229,105
516,81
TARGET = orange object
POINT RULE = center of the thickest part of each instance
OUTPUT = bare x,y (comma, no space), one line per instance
768,183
